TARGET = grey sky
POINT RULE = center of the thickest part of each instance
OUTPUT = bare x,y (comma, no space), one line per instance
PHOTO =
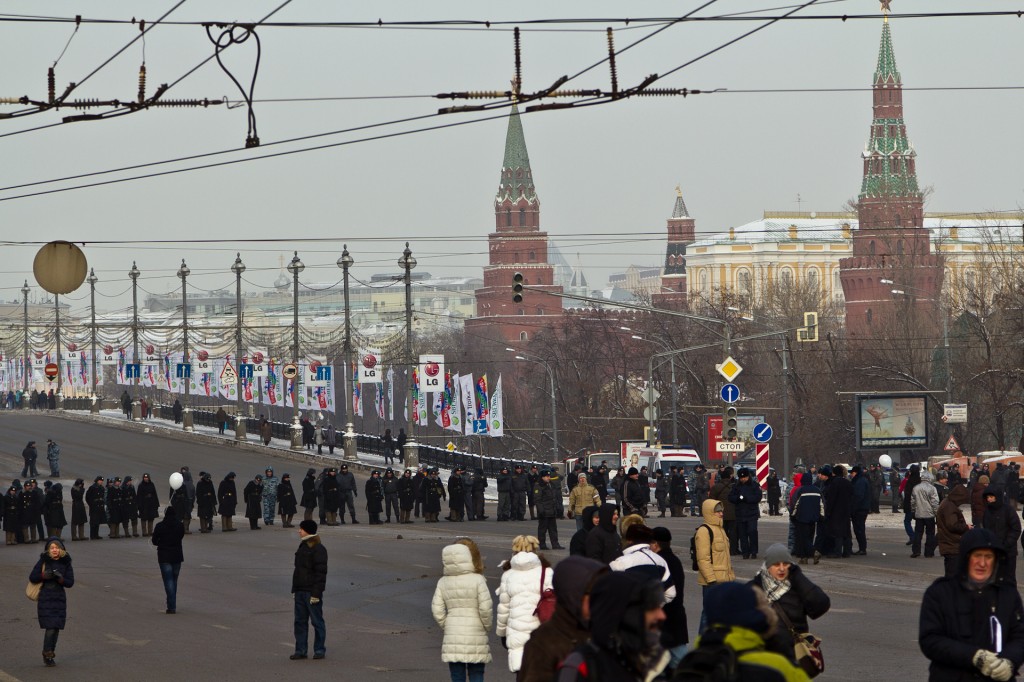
599,171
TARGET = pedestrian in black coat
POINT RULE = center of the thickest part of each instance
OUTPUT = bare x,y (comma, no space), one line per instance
331,489
286,501
227,500
547,495
95,497
149,504
167,537
961,616
603,542
417,490
53,511
53,570
115,507
746,497
433,493
838,496
182,506
788,590
578,542
456,495
406,496
860,507
774,494
254,501
1002,520
677,492
309,580
30,511
308,501
374,497
479,485
176,410
79,517
29,455
674,633
130,505
11,516
206,502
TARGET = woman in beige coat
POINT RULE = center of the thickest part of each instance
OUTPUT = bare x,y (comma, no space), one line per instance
711,545
463,607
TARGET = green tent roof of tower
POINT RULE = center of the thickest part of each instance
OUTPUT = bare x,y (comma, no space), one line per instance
886,68
516,176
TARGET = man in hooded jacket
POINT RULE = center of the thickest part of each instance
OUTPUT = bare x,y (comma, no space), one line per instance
973,622
951,525
550,643
625,630
1002,520
603,542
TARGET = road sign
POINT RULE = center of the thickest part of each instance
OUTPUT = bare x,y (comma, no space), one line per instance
761,459
730,446
651,394
730,369
954,413
651,413
184,370
763,433
323,373
228,374
246,370
132,370
450,447
951,445
730,393
51,371
290,371
479,426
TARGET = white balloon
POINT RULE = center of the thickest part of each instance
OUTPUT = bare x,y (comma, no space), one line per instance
176,480
884,461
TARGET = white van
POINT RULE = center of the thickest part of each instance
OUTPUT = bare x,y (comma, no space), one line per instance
685,459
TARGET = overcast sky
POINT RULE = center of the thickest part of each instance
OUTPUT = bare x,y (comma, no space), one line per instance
603,173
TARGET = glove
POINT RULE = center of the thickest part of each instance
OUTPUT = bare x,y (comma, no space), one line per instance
48,574
569,514
314,600
504,643
982,659
999,669
57,573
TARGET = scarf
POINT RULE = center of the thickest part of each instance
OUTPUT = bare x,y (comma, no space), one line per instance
773,589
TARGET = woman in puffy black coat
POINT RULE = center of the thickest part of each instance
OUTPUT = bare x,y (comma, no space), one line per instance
406,496
149,504
78,515
11,515
53,510
578,543
227,500
54,571
374,497
308,501
206,502
788,590
286,501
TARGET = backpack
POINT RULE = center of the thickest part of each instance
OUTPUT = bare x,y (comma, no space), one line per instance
693,544
712,661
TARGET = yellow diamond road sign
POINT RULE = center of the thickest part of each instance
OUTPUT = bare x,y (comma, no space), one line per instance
730,369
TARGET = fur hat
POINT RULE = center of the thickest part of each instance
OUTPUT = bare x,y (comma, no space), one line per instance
309,525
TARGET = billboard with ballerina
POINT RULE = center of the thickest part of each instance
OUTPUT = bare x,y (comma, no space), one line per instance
892,421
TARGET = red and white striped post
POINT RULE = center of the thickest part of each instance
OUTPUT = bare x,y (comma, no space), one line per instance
761,463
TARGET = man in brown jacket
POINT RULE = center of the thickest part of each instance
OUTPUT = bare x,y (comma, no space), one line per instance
951,526
567,629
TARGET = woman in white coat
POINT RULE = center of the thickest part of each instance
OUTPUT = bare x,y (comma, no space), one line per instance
463,607
518,596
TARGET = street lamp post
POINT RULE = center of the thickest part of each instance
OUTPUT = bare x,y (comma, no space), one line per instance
134,275
650,382
349,439
521,355
238,267
60,383
412,448
92,279
295,267
28,360
183,273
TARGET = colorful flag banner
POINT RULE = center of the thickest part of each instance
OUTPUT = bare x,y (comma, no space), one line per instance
496,425
454,404
468,402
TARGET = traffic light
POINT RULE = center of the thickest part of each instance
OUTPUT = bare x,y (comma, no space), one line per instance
729,428
517,287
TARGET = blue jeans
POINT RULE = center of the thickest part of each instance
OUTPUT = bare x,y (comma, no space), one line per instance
304,613
908,524
460,672
169,572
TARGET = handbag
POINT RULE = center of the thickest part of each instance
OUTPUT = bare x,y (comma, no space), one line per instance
32,589
546,606
806,647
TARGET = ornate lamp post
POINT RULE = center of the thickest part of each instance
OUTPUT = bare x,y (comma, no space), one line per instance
295,267
238,267
28,360
183,273
349,439
412,448
134,275
60,367
92,279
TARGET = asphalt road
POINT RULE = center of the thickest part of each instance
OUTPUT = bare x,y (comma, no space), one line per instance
234,617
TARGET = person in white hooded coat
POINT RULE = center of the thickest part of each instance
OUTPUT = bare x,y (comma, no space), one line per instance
463,607
518,596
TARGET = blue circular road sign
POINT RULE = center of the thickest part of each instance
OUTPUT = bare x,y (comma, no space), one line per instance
730,393
763,433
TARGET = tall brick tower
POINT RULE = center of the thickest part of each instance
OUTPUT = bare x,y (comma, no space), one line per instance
516,245
681,232
891,241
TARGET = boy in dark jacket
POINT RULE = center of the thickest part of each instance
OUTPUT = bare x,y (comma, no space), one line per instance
309,580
